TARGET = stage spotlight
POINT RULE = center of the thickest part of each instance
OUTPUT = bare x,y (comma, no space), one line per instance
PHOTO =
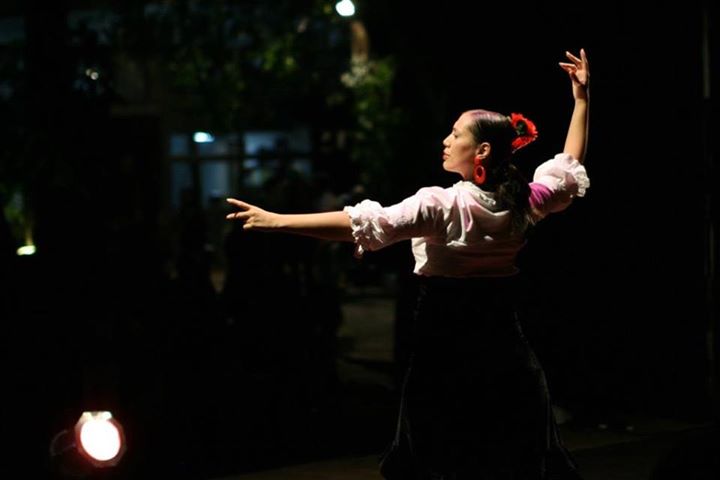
96,441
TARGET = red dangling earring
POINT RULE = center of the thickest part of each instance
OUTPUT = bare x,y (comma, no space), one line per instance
479,174
479,171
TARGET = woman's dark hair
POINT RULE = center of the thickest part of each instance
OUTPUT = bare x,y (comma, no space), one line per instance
510,186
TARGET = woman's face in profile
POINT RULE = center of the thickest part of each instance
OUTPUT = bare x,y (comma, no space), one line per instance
460,148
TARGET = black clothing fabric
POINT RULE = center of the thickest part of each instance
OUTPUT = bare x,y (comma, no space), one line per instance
475,403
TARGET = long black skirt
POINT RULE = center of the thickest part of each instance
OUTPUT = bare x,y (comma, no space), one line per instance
475,403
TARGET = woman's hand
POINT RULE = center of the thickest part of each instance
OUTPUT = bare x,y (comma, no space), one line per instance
253,218
325,225
579,72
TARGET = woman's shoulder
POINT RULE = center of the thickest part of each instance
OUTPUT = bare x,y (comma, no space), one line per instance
459,195
457,189
435,197
436,192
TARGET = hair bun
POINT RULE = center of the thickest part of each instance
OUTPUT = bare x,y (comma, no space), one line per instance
525,129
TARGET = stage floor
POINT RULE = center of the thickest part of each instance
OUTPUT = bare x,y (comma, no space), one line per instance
366,353
602,456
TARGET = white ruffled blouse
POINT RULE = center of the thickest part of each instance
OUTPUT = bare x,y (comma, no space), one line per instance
459,231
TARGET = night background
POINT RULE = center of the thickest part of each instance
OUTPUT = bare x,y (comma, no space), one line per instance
125,125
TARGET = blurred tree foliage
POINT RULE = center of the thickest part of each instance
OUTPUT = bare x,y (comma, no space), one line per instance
232,65
221,65
13,128
376,122
236,64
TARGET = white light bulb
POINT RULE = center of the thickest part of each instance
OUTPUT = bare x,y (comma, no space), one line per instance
100,439
203,137
345,8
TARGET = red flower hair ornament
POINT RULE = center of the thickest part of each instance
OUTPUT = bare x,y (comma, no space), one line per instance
525,129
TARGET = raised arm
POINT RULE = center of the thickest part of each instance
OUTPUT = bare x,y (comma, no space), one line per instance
325,225
578,70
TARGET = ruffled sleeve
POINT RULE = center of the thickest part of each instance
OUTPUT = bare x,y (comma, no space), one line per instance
556,182
369,222
421,215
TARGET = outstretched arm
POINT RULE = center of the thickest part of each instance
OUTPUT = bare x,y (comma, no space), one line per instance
578,70
325,225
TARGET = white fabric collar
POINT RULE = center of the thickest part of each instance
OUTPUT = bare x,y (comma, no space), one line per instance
486,198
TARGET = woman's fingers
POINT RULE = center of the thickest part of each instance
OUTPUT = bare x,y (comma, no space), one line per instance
244,209
237,215
244,212
238,203
573,58
583,56
570,69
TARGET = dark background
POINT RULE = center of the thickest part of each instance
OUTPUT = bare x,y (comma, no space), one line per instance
116,310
